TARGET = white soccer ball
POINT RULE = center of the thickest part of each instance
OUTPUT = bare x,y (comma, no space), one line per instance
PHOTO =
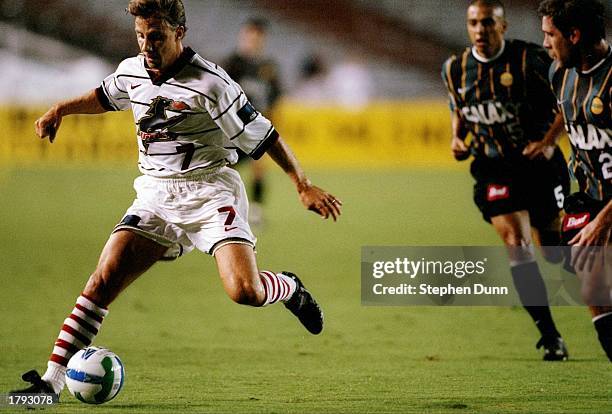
94,375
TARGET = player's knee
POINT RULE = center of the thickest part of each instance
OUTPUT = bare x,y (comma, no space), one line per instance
520,248
244,292
514,239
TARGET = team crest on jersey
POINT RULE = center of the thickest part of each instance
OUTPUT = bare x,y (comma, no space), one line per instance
506,79
155,124
497,192
597,106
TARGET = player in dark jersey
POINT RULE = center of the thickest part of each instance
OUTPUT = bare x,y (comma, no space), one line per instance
258,77
500,95
581,78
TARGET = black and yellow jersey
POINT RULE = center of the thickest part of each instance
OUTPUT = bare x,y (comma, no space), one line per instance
584,100
505,102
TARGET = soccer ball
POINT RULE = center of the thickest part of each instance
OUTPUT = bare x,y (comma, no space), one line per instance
94,375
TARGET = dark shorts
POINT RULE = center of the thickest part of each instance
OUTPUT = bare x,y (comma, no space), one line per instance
580,210
538,186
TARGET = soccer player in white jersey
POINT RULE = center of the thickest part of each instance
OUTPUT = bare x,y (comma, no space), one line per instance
190,117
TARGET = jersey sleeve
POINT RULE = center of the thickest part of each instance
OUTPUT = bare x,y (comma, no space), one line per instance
448,82
112,93
246,128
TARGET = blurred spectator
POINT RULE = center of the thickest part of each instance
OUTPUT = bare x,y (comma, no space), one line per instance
258,77
350,83
312,84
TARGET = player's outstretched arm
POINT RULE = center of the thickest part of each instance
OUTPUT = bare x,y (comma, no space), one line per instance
459,148
311,196
48,124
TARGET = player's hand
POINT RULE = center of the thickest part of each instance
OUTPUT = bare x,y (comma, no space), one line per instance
460,149
48,124
587,245
539,149
320,201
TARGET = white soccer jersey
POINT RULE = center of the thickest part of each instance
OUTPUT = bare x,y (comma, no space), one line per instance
191,119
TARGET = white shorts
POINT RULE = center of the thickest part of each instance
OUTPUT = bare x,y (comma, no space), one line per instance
205,212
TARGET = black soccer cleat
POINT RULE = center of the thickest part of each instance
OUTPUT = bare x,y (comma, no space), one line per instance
554,348
303,305
38,385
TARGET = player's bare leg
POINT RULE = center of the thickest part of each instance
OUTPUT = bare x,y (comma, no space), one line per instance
515,230
125,256
549,240
238,271
596,291
246,285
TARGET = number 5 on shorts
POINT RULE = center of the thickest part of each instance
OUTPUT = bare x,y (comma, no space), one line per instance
559,196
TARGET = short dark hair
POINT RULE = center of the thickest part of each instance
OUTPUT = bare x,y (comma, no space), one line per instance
258,23
494,4
171,11
588,16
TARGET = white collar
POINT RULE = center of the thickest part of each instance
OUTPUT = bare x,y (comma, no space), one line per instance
586,72
487,60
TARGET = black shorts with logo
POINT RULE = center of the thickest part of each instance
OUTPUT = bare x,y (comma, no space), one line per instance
504,186
580,210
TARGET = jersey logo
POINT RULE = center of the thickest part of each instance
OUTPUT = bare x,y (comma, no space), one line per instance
595,138
462,91
597,106
135,86
88,352
490,112
247,113
506,79
154,125
575,221
497,192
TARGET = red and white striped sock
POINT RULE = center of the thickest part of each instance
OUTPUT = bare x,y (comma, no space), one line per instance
78,331
278,287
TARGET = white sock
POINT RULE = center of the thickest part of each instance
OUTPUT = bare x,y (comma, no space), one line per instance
55,376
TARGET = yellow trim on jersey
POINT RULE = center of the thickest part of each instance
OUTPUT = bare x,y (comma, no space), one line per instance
563,92
492,81
574,104
584,104
605,82
464,72
478,81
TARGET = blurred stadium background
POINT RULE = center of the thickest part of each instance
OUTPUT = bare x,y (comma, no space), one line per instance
373,129
378,98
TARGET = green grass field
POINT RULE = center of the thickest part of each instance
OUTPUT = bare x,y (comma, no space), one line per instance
188,349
